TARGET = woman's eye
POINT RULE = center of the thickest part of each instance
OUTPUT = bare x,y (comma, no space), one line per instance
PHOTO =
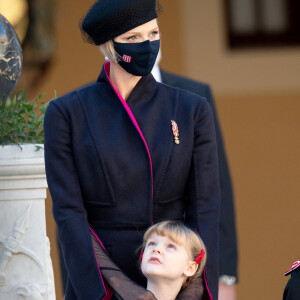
154,33
171,246
131,38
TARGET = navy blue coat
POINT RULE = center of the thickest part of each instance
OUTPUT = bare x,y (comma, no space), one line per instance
228,257
114,166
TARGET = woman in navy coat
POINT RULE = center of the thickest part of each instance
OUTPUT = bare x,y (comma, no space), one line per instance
126,152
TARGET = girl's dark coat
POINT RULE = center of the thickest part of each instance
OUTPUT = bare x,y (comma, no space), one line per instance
100,174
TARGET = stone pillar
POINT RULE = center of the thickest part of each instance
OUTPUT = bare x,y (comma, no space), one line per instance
25,265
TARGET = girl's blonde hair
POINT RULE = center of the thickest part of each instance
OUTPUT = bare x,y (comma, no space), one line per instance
108,50
181,235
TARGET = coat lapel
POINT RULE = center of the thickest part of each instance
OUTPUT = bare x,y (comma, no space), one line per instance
154,107
150,110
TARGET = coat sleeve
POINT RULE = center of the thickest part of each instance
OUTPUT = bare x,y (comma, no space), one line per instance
122,286
228,241
68,209
203,193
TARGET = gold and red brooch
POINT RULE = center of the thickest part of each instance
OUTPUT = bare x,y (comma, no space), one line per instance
175,132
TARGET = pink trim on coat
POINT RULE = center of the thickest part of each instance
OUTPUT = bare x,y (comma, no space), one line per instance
95,235
210,296
127,108
204,276
108,292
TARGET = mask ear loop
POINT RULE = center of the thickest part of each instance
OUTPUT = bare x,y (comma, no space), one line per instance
200,257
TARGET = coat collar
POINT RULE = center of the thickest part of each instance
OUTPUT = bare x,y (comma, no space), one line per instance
143,91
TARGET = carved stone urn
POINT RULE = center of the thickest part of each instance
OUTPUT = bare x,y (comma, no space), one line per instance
25,265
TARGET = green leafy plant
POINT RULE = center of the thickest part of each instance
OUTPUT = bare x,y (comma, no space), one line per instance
21,120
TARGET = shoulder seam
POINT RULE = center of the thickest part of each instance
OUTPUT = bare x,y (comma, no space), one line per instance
58,109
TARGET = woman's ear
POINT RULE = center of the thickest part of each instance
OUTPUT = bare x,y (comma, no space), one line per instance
191,269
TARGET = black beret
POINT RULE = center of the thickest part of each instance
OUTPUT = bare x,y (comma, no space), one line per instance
107,19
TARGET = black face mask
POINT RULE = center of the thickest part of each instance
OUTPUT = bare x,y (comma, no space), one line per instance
138,58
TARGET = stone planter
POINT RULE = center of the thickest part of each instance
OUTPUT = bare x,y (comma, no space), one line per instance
25,264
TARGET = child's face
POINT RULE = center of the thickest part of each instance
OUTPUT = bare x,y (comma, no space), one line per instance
164,259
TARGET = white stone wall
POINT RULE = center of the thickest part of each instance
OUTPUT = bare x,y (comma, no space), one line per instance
25,264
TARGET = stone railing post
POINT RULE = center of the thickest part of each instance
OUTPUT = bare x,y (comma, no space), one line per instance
25,265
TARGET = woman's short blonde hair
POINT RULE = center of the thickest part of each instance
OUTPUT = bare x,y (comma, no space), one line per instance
108,50
181,235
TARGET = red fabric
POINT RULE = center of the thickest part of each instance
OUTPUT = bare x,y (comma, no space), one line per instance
141,255
294,266
200,256
109,293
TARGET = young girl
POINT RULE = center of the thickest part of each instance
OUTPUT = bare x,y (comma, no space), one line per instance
172,257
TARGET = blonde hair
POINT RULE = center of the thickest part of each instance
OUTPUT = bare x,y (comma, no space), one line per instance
108,50
181,235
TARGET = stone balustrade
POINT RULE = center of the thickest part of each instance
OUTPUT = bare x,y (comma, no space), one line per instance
25,265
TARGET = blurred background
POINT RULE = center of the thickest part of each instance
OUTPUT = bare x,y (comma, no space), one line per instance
249,52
